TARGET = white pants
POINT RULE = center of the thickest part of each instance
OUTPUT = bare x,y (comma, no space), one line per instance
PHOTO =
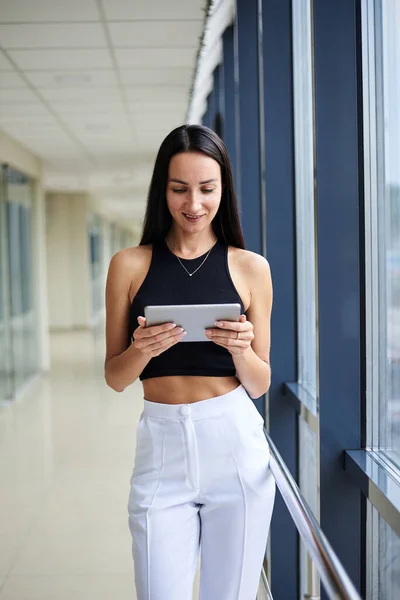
201,475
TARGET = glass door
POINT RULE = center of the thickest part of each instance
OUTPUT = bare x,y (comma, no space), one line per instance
7,383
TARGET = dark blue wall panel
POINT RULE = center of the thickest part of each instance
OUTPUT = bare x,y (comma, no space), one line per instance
280,225
249,181
340,212
230,99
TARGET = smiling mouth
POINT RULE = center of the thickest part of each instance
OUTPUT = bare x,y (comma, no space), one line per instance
192,217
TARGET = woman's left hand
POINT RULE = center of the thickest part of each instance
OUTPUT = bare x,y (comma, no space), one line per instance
235,336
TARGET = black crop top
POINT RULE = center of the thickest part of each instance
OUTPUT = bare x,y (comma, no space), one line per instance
168,283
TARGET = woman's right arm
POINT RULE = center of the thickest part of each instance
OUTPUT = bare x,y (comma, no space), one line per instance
124,360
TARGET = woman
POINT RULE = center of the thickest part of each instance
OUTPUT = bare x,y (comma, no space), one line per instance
201,473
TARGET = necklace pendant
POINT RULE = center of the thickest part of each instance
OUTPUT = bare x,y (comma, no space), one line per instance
195,271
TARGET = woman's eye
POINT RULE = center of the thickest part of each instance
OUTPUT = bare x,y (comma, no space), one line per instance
182,191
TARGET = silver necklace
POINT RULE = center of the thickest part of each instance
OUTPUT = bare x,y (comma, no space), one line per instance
190,274
195,271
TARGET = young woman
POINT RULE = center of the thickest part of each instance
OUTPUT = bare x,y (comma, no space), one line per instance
201,476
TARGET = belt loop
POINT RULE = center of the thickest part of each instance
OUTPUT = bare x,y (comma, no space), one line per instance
191,450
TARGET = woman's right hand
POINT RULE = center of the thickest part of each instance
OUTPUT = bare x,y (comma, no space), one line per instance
153,341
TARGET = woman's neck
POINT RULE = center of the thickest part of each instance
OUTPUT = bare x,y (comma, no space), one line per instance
188,246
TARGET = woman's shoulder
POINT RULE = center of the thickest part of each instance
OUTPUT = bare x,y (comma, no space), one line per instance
134,265
248,261
133,256
131,262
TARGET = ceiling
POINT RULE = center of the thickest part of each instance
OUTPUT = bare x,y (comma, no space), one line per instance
93,86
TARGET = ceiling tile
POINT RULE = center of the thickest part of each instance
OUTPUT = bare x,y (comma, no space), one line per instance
161,94
11,96
97,107
79,79
103,136
150,105
62,59
157,121
81,95
32,127
181,76
27,119
155,34
26,11
155,57
153,9
91,122
9,79
53,35
23,110
5,64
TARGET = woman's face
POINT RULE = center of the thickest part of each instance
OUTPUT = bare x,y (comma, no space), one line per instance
194,190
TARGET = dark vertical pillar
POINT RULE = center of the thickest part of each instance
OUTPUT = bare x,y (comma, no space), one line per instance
211,108
206,116
230,99
249,180
338,114
280,229
219,123
216,96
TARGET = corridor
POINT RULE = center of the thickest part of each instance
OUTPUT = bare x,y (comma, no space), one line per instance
66,455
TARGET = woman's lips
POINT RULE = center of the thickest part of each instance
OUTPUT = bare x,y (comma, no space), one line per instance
192,218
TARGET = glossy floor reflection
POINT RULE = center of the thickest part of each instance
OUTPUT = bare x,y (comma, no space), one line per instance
66,456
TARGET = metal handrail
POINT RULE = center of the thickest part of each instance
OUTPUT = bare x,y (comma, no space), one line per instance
337,583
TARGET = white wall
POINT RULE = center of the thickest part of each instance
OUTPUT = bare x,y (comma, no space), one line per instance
68,261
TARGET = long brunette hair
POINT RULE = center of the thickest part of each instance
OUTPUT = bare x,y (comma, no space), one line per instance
192,138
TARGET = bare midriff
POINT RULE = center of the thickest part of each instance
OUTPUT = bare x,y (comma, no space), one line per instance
186,389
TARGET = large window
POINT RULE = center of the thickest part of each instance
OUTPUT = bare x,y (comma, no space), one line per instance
382,135
304,185
18,312
381,95
308,438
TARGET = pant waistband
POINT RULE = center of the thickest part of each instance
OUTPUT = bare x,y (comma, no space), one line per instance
197,410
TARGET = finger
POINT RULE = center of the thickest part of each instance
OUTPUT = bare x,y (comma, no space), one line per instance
243,328
234,325
151,330
141,321
231,340
146,340
229,335
162,345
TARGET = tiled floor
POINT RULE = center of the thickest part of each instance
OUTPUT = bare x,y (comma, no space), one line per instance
66,456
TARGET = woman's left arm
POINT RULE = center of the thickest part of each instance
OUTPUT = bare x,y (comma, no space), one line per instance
250,352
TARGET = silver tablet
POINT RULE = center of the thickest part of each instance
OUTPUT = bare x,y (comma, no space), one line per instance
194,318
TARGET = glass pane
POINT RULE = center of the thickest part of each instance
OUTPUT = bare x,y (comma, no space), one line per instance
383,580
22,309
304,179
389,212
381,71
96,245
6,363
309,485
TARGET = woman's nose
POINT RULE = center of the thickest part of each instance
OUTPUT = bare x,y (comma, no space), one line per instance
194,199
